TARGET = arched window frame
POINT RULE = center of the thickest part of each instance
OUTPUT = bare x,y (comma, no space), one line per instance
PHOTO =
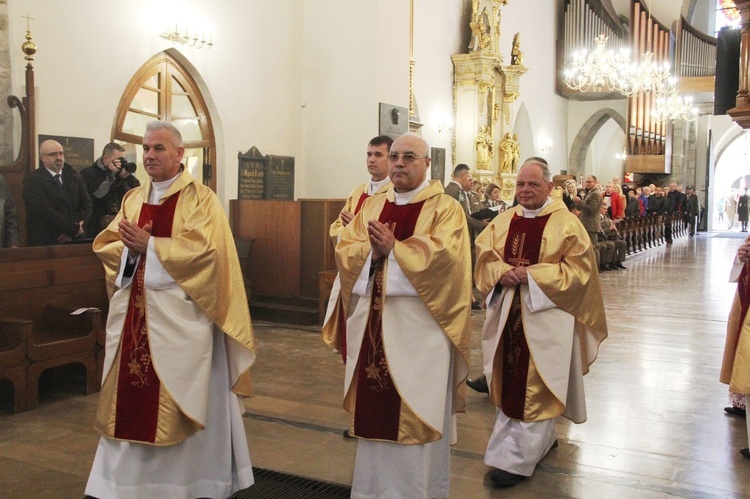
165,67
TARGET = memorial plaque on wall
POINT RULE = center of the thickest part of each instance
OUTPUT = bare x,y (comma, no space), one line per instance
252,172
394,120
437,164
280,178
79,152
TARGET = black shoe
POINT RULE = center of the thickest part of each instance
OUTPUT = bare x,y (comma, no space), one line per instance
745,452
475,305
347,434
735,411
502,478
479,384
620,266
604,267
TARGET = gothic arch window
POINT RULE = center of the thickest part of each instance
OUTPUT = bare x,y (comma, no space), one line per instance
163,89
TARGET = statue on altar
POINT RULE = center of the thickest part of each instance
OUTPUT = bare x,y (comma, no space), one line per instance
510,154
516,56
483,144
480,38
485,26
516,153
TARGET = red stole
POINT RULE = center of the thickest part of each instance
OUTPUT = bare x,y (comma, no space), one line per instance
521,250
361,200
138,385
378,403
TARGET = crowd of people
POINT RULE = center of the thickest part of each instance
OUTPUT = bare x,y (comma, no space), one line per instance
734,209
600,207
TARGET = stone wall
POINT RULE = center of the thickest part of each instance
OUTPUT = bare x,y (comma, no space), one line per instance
6,113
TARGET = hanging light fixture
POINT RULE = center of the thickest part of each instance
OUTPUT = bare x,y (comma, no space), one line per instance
648,76
600,70
613,71
674,107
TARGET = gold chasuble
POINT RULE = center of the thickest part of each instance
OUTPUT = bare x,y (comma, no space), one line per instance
735,368
535,359
516,385
155,387
399,347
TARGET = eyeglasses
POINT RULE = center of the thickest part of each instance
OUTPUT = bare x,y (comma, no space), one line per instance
53,154
408,158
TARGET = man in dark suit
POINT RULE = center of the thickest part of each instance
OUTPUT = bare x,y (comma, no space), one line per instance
692,208
57,203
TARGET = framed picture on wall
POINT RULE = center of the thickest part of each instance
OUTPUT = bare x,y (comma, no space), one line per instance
437,163
79,151
394,120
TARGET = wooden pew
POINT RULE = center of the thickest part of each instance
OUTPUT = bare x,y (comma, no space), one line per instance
40,286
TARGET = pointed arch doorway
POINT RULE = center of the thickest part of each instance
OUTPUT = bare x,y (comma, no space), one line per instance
164,89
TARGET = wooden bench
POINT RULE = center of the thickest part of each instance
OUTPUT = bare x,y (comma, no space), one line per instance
13,337
57,339
39,287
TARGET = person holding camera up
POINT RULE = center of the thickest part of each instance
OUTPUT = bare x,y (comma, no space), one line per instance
107,181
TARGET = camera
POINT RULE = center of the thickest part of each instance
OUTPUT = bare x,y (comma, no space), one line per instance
130,167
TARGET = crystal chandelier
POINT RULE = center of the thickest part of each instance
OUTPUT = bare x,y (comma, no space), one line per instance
613,71
648,76
600,70
673,106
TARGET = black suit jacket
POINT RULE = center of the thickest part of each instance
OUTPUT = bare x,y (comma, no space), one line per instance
49,213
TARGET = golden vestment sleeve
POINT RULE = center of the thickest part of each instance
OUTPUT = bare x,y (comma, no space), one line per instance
566,271
436,259
108,244
200,256
351,202
735,367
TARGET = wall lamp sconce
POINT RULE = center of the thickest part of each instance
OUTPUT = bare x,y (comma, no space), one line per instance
545,145
622,156
178,37
444,127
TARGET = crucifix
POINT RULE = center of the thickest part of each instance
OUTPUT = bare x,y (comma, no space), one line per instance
28,26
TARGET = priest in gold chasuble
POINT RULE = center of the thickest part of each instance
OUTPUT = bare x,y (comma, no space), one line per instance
735,367
545,321
179,340
403,261
377,167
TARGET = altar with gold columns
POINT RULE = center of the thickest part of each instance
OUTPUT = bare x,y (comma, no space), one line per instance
483,91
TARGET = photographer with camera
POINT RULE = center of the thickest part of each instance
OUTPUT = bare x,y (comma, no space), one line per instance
107,181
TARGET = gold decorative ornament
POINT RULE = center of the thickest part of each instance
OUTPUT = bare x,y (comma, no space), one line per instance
28,47
516,56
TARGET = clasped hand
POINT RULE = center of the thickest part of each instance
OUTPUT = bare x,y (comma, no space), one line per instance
514,277
135,238
743,253
381,239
